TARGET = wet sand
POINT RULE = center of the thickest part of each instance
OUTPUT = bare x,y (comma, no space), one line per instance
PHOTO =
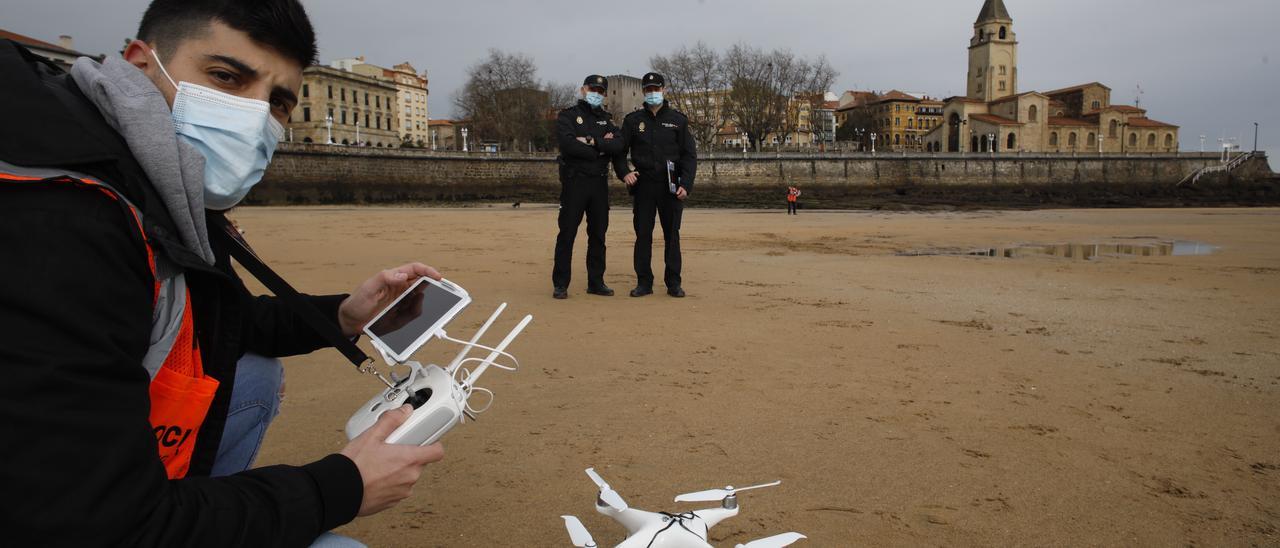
927,400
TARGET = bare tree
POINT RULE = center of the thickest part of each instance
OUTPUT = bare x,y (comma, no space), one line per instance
755,104
698,87
505,102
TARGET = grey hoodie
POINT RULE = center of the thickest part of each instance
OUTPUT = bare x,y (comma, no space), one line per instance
136,109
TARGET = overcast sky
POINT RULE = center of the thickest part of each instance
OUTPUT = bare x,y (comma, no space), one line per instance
1212,68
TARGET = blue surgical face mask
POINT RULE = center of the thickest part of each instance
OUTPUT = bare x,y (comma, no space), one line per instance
653,98
236,136
594,99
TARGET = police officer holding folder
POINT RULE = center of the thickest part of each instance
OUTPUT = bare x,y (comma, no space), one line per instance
665,161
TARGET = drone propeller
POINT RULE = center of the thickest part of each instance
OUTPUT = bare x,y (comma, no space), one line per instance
717,494
607,494
578,534
776,541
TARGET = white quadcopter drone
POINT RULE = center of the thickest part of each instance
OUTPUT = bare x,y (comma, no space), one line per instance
667,530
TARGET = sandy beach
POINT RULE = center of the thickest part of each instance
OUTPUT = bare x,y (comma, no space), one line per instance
902,400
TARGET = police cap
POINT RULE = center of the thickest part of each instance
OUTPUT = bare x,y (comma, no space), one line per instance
653,79
596,81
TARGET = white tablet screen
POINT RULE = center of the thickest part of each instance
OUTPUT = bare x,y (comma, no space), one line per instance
412,316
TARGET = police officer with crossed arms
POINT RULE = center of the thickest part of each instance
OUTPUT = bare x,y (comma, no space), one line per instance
588,141
665,160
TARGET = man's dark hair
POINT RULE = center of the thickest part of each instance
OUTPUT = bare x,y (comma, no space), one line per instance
279,24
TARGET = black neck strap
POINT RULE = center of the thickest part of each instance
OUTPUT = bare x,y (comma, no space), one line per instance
326,327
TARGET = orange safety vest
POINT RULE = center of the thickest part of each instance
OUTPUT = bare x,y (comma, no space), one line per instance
181,393
792,194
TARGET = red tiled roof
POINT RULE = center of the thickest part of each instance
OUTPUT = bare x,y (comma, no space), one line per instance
1148,123
895,95
1074,88
32,42
993,119
1014,97
1058,121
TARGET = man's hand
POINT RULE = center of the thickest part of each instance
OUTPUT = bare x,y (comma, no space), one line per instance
388,471
631,178
376,293
681,193
583,140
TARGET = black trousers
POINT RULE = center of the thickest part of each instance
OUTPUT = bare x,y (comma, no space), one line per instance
652,197
791,208
578,196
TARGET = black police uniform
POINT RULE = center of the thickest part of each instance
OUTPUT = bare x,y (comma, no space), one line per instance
584,170
653,139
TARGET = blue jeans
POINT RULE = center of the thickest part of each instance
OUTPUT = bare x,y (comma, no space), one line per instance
255,402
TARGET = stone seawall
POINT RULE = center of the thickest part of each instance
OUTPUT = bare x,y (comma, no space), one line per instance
318,174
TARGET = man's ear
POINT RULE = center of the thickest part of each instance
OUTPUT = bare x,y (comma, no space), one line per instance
137,53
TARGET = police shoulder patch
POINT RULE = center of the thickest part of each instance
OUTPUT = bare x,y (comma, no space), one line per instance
579,120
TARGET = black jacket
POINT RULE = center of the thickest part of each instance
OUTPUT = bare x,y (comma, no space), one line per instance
79,463
654,140
586,160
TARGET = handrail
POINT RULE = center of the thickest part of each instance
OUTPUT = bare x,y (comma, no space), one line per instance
1194,177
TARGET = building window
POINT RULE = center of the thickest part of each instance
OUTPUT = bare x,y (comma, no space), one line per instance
1151,140
366,120
1053,139
377,120
1115,126
1133,139
366,98
1003,71
344,117
1003,33
1097,105
331,92
388,122
1071,140
344,93
1092,139
1012,141
306,90
1002,85
306,113
1168,140
1033,113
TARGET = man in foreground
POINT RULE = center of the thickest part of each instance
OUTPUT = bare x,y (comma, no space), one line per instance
121,315
587,139
666,161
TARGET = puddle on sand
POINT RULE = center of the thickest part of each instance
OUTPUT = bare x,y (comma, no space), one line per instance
1084,251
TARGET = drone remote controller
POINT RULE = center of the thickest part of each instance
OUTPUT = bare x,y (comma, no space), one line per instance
438,396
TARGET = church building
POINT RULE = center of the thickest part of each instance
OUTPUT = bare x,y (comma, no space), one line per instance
994,116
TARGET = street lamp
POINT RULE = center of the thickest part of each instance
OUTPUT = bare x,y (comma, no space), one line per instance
291,134
1100,139
1255,136
358,128
1202,144
745,140
991,143
433,140
873,142
464,139
328,126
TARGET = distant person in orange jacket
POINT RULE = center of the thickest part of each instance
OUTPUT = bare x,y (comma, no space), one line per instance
793,197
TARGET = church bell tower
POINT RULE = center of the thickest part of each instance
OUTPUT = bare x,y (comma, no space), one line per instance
993,54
